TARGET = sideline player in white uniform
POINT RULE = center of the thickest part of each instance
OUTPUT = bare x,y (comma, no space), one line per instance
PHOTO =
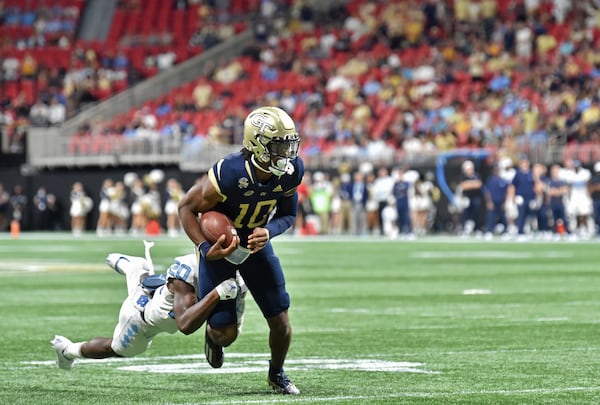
155,304
579,203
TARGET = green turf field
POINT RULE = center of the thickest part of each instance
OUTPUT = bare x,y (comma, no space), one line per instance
438,320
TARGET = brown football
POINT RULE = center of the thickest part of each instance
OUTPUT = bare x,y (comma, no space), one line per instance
213,224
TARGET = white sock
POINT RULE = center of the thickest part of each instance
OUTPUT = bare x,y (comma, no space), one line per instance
73,351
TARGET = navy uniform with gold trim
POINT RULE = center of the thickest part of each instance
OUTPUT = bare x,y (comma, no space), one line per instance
256,189
249,204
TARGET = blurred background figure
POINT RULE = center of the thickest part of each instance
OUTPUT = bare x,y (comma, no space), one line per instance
18,202
594,189
495,198
104,224
557,191
579,203
138,219
401,192
381,192
321,194
81,205
41,216
118,208
359,195
345,195
426,194
541,205
507,172
4,208
471,190
174,195
522,193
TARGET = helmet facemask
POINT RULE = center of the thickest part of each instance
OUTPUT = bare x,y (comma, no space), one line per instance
280,152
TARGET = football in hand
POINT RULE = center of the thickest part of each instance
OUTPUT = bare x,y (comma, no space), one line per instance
213,224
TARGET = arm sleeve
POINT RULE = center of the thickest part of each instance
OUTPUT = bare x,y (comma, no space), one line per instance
284,216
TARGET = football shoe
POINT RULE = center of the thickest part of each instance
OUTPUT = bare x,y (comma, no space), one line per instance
213,352
281,383
59,344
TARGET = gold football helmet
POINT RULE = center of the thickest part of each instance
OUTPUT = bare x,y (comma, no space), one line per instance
270,134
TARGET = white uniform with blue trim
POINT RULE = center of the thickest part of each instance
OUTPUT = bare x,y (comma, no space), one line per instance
141,317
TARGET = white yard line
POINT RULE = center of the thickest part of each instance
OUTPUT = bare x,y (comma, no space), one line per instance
417,394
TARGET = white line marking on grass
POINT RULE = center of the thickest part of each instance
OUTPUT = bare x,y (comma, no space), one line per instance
248,363
477,291
250,366
488,254
555,319
417,394
35,266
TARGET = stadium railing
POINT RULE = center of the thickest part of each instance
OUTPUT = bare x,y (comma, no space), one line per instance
49,147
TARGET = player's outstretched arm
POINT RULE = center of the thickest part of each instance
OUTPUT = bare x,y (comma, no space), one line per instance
191,314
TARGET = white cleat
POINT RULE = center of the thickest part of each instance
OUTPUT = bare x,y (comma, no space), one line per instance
59,344
118,261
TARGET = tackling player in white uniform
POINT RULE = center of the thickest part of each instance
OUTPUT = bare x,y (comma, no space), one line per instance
155,304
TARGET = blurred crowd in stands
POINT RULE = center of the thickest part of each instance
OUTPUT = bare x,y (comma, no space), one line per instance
365,80
393,79
47,75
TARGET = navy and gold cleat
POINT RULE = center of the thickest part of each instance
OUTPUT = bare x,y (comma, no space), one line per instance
213,352
282,384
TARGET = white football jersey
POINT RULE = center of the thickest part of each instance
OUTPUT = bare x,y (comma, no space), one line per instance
159,310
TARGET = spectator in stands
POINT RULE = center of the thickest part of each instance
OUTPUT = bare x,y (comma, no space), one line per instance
57,112
38,114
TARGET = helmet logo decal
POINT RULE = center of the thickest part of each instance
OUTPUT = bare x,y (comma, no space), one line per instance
243,183
262,122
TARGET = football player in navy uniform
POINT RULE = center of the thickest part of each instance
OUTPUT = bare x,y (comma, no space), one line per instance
256,189
472,188
594,190
495,197
521,191
557,190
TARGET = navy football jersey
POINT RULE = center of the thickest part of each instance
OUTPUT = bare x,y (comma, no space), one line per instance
246,201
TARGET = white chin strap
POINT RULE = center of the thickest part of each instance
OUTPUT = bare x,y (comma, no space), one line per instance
277,169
